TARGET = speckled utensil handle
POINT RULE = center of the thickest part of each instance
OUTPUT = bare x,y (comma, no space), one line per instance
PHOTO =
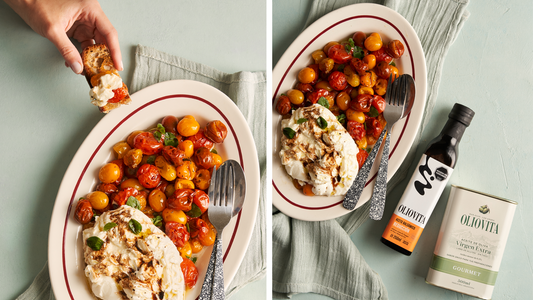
207,286
377,202
355,191
218,274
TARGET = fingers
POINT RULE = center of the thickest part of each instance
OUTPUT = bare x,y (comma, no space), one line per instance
106,31
67,49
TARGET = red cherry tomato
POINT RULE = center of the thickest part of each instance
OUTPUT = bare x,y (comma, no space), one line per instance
119,94
359,66
148,144
182,199
200,140
148,176
201,199
171,124
338,54
198,227
190,272
84,211
361,103
177,232
174,155
314,96
337,80
356,130
373,127
122,196
304,87
382,55
379,103
361,157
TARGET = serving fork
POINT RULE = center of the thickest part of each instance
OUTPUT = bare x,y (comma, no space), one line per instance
221,196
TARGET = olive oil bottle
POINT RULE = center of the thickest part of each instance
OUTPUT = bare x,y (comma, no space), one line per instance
427,183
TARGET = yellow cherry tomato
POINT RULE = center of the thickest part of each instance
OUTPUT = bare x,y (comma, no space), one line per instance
185,250
217,160
394,72
195,245
173,215
188,126
169,191
207,239
188,147
307,75
132,158
131,183
183,184
370,60
295,96
343,100
324,84
381,87
109,173
202,179
99,200
365,90
187,170
120,149
157,200
362,144
166,170
141,197
369,79
318,55
373,42
326,65
353,115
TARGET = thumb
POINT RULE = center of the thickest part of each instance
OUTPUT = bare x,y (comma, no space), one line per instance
68,50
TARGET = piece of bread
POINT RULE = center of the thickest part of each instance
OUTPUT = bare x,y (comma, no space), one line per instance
97,59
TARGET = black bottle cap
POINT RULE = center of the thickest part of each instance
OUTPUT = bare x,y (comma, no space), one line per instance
462,114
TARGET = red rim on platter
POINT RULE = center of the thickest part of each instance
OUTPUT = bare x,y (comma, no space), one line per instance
336,26
149,106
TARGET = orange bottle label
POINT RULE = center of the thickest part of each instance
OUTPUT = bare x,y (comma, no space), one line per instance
402,232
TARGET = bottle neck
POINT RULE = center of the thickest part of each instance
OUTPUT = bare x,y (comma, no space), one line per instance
453,129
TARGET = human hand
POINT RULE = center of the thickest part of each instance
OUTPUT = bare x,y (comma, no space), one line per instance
60,20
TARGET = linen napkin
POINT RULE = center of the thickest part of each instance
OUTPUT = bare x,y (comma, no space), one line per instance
248,91
319,257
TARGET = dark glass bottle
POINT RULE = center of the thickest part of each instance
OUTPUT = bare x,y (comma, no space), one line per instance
427,183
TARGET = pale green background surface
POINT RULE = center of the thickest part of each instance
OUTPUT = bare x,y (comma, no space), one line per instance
45,110
488,69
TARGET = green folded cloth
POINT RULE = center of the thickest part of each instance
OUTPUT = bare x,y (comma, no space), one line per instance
248,91
320,257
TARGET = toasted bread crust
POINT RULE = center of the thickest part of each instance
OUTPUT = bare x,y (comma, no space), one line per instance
97,59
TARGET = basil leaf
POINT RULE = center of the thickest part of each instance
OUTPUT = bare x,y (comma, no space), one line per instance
109,225
341,118
301,120
170,139
195,211
188,228
161,128
340,68
95,243
358,52
194,259
373,112
135,226
323,101
151,159
157,135
133,202
157,221
368,149
322,123
392,63
214,151
288,132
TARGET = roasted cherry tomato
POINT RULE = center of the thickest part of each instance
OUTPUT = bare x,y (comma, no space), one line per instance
122,196
373,42
379,103
177,232
216,131
109,173
182,199
361,157
201,199
283,106
356,130
307,75
187,170
190,272
119,94
148,176
147,143
361,103
170,123
337,80
314,96
339,54
304,87
359,38
359,66
198,227
202,180
107,188
84,211
157,200
383,70
382,55
188,126
174,155
99,200
200,140
373,127
203,158
395,48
